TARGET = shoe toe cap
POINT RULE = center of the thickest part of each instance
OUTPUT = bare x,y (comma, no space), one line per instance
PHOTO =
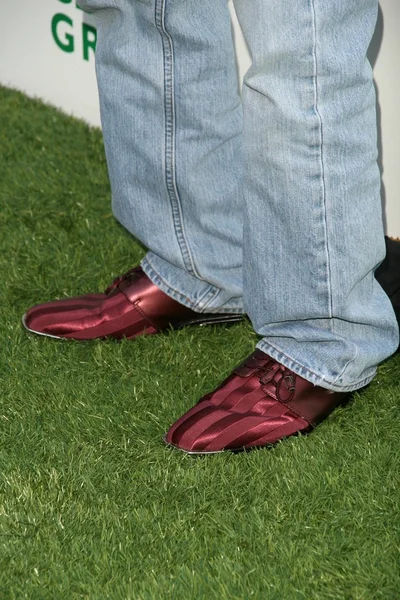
62,318
207,428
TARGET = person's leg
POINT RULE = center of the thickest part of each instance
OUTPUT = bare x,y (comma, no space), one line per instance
172,123
312,227
313,231
388,275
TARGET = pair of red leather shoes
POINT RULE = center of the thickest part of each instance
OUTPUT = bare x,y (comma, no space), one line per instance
260,403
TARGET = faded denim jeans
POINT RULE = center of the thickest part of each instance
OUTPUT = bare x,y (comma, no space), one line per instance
266,203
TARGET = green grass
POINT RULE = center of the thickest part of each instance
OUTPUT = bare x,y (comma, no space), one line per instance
92,504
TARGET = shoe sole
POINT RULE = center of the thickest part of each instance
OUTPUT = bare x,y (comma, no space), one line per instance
56,337
225,319
220,319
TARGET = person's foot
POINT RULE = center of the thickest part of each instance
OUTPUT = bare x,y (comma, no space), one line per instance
260,403
132,305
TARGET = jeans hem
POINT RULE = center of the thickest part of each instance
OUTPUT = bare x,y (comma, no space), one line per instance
205,298
310,375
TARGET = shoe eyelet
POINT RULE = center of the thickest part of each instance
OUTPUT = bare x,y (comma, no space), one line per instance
286,388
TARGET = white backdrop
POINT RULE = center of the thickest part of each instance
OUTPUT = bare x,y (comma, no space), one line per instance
47,50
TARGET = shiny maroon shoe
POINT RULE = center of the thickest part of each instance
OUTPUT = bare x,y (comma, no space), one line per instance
132,305
260,403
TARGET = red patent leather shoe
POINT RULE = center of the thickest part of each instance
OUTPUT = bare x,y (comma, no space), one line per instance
132,305
260,403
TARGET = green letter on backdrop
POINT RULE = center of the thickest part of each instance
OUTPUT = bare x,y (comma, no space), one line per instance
89,36
68,44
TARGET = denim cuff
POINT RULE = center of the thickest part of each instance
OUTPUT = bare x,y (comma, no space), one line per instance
197,294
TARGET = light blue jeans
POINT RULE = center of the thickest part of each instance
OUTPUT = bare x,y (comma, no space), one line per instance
267,204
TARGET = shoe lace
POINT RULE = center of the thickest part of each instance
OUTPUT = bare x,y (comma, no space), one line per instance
277,380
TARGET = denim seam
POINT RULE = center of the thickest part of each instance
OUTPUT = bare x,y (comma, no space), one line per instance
170,135
211,299
266,345
322,164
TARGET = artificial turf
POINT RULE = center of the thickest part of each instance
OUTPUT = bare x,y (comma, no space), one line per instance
92,504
